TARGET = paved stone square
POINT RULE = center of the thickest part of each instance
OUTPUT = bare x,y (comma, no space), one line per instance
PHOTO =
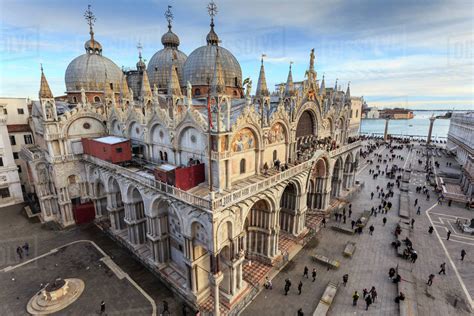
374,256
79,260
15,229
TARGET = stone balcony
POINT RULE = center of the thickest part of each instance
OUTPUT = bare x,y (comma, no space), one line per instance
200,196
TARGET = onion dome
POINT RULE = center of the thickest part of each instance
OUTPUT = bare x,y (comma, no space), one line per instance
200,65
160,64
91,70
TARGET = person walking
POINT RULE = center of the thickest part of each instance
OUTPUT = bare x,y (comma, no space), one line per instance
463,254
430,230
430,279
416,202
345,278
414,256
350,212
287,286
373,293
323,222
368,302
353,223
384,221
412,223
166,310
344,218
371,230
371,195
355,298
449,203
300,312
305,272
418,211
26,248
300,286
313,274
448,235
102,307
443,268
19,251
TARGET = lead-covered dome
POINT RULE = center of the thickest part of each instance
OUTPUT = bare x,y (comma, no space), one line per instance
159,66
92,70
200,65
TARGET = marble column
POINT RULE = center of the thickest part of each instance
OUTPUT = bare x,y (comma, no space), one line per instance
215,279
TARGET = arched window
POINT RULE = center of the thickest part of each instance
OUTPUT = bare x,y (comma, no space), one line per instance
357,113
242,166
275,155
74,100
161,155
197,91
235,93
166,156
96,99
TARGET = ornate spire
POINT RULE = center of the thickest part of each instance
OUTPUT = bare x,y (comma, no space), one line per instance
91,46
173,83
348,91
290,87
45,91
124,91
169,39
262,89
212,38
145,91
217,84
322,90
90,18
140,64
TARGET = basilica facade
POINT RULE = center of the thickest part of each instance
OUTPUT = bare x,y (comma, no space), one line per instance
270,159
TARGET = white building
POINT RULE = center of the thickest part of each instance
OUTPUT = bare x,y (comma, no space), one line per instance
356,113
461,141
17,113
373,114
10,187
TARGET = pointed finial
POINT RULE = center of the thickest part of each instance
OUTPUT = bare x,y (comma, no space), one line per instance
139,48
90,18
41,65
169,16
263,55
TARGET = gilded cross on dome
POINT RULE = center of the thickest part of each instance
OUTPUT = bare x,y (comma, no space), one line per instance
212,9
169,16
90,17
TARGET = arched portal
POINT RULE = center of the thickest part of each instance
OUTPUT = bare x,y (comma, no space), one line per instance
348,172
135,218
306,131
116,206
289,205
100,199
318,188
261,235
336,182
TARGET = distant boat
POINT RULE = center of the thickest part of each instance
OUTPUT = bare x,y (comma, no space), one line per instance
410,125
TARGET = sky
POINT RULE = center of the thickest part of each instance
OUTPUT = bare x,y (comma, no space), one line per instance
418,53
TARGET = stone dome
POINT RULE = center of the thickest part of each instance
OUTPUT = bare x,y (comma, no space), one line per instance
89,71
199,66
160,63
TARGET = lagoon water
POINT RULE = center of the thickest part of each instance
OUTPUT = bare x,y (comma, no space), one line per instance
418,126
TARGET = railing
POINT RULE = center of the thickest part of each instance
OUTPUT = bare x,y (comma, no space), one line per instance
344,148
255,188
151,183
220,155
63,158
